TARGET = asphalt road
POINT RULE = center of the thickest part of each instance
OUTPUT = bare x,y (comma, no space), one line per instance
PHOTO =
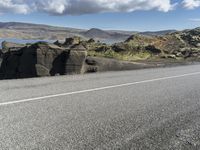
139,110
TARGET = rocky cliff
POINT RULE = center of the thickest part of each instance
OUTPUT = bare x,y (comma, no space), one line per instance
40,59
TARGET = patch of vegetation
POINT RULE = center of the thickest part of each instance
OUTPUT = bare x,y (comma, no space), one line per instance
127,56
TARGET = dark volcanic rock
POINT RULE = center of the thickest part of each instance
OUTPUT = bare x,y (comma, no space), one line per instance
91,40
1,53
90,61
57,43
97,64
153,49
72,41
119,47
41,59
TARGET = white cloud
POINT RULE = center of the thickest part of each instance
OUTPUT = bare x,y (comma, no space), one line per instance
191,4
78,7
13,6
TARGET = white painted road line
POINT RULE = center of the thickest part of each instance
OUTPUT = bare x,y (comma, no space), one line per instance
96,89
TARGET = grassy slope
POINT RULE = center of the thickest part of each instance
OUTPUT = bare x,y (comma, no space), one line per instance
177,45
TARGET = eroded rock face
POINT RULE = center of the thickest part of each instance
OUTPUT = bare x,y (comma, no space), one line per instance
1,53
41,59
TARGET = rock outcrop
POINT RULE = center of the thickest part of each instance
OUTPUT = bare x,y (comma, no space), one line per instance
177,45
97,64
40,59
72,41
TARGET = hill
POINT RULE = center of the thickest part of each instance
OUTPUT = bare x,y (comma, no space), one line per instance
35,31
157,33
97,33
177,45
45,32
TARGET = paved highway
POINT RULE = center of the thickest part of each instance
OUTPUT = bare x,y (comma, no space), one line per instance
147,109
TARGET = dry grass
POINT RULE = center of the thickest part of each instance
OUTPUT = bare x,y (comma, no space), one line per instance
121,56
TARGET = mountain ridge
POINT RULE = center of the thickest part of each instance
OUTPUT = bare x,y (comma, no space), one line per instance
21,30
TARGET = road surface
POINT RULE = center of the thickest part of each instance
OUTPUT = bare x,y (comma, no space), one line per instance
147,109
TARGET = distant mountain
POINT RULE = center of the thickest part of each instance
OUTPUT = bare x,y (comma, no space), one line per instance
157,33
36,31
97,33
20,30
30,26
104,35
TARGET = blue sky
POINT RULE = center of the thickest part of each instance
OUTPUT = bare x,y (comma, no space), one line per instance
174,14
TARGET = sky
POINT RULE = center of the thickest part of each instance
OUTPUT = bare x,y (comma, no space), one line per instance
130,15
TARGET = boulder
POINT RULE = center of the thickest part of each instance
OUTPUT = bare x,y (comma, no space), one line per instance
42,59
153,49
99,64
120,47
72,41
90,61
78,54
91,40
57,43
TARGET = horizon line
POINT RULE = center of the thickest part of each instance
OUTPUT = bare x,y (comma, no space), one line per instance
104,29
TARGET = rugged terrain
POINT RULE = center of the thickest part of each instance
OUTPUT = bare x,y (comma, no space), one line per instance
80,55
182,45
51,59
36,31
